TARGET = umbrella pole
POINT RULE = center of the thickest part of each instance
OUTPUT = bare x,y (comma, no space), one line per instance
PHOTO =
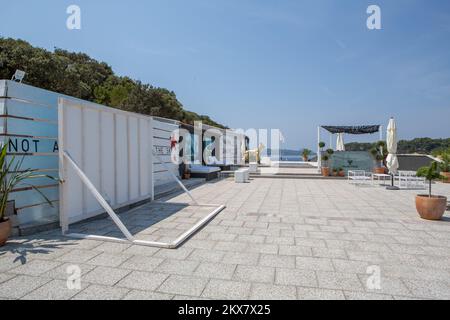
392,187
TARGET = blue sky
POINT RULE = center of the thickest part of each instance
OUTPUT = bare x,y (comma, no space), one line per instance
287,64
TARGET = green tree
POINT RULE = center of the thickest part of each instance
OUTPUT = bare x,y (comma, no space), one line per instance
80,76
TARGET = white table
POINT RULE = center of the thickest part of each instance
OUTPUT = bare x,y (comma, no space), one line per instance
253,167
380,177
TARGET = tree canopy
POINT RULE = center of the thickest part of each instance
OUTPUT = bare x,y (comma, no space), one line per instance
80,76
418,145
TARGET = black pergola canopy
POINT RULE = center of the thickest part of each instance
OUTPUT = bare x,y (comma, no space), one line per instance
353,129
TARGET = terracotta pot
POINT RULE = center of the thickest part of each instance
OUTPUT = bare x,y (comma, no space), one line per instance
447,176
341,174
380,170
5,231
187,176
431,208
325,171
305,159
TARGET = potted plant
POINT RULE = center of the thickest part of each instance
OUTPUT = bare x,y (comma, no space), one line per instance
11,176
335,172
325,158
187,173
429,206
341,172
321,146
445,168
305,154
325,169
379,154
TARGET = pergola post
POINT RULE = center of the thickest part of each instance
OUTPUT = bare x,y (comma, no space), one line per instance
319,156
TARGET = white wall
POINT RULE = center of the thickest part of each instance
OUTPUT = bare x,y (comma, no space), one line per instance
163,129
113,148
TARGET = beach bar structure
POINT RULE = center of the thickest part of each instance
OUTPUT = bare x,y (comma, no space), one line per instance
342,130
124,156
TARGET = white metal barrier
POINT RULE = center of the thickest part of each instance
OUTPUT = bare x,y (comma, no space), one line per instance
80,197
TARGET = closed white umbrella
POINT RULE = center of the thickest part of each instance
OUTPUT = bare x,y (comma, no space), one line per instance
392,159
340,146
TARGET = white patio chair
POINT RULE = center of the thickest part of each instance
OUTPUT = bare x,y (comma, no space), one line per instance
409,179
359,177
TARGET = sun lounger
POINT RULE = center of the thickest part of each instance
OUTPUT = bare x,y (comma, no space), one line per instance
208,173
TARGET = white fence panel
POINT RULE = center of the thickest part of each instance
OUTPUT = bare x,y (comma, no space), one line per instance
162,132
113,148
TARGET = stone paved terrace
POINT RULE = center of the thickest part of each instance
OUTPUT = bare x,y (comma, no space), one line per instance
277,239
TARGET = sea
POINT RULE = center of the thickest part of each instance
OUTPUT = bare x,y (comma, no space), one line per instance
288,158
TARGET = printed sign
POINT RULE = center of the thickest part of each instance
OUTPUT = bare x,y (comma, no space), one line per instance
352,160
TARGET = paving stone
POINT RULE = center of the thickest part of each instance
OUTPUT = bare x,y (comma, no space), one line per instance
85,244
227,290
254,274
206,255
98,292
231,246
215,270
140,250
340,281
183,285
139,280
178,254
78,256
35,267
142,263
388,285
262,291
146,295
112,247
222,236
306,242
181,267
106,259
63,271
241,258
428,289
312,263
186,298
200,244
5,277
9,262
295,251
250,238
21,285
356,295
371,257
269,260
54,290
105,275
286,276
349,266
413,254
262,248
304,293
